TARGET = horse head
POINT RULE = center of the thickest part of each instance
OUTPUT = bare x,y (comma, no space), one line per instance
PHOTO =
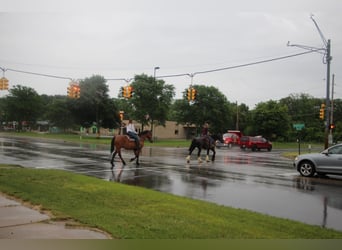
146,134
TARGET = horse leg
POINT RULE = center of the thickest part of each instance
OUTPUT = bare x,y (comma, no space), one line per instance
112,161
207,157
199,155
214,153
123,161
136,153
189,155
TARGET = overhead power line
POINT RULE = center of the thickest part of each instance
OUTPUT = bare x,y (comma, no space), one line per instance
175,75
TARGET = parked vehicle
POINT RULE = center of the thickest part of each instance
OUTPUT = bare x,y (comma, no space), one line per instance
329,161
230,139
255,143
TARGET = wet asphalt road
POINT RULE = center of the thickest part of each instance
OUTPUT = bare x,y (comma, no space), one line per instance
258,181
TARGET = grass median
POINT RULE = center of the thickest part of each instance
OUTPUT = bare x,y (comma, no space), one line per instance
137,213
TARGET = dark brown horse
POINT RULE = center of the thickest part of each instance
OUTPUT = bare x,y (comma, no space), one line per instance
123,141
205,142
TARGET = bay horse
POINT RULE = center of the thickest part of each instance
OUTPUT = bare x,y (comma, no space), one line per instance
203,142
124,141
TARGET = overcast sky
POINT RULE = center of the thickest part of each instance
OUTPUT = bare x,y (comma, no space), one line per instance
120,39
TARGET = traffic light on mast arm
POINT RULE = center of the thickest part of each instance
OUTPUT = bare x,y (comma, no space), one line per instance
76,91
188,94
129,91
3,84
193,94
70,92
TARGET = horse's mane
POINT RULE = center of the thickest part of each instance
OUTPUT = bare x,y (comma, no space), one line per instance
144,132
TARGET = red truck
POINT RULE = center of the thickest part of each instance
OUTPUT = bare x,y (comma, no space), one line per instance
255,143
232,137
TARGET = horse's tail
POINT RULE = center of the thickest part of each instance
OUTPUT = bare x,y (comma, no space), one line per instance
112,146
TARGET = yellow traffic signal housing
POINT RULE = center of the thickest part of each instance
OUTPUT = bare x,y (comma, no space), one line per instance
3,84
321,114
321,111
70,92
74,90
189,94
129,91
193,94
122,92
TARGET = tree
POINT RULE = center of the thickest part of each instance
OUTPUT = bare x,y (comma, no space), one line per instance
271,119
59,114
22,104
304,109
151,100
210,106
94,104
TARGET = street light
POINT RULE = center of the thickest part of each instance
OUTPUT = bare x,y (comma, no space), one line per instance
154,72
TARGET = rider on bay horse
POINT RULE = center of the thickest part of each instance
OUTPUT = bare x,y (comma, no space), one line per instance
130,129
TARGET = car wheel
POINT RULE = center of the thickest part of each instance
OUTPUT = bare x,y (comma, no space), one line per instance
306,168
254,148
269,149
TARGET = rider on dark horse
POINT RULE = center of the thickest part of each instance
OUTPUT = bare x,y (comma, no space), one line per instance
205,133
130,129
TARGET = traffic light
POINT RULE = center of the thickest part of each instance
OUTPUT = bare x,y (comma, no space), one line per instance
332,126
129,91
122,92
3,83
189,94
321,111
193,94
70,92
76,91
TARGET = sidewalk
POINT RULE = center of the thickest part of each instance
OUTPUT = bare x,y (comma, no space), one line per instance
20,222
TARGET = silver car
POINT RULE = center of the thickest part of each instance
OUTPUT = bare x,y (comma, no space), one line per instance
329,161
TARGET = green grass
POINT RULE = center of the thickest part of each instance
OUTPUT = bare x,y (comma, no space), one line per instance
137,213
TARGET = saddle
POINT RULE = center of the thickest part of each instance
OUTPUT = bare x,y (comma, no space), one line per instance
130,138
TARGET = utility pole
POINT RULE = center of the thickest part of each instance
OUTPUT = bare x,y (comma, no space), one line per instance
326,60
332,109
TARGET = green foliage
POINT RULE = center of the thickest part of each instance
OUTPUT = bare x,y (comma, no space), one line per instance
94,105
152,103
152,98
210,106
22,104
271,119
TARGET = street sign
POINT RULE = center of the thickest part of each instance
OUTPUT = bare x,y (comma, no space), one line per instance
298,126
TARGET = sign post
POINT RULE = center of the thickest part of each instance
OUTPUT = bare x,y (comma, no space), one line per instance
299,127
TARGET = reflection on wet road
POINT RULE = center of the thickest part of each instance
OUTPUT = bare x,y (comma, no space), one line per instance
257,181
